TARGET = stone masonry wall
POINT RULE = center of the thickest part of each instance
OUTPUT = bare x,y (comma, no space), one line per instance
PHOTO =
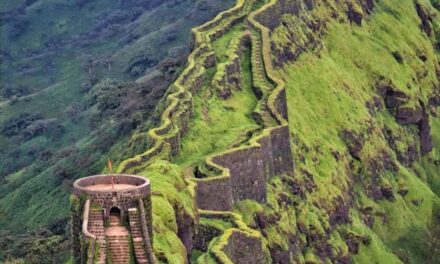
204,235
245,170
247,173
281,153
279,8
249,169
208,191
76,208
148,215
243,248
123,200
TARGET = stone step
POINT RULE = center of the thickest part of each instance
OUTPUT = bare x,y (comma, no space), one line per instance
118,244
117,237
137,236
96,227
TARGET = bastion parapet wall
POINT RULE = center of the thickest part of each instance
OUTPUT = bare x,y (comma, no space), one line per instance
125,198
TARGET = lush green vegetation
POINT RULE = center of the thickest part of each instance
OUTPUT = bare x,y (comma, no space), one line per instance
171,197
327,92
218,124
361,190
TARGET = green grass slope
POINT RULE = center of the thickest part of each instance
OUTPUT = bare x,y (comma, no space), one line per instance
328,91
362,83
363,190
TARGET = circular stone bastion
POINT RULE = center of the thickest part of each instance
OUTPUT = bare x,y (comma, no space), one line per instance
113,190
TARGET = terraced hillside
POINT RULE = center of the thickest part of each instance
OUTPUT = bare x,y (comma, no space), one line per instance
348,92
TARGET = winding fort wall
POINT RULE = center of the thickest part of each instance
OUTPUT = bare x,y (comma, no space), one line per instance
239,173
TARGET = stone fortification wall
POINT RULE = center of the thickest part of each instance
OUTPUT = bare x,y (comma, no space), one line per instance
269,15
237,244
204,236
147,227
249,167
239,173
76,210
198,38
242,248
267,155
208,230
207,194
246,172
85,246
228,75
165,139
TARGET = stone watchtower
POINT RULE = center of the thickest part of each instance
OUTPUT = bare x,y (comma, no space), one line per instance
111,219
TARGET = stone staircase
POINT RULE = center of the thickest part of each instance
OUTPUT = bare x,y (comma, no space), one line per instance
96,227
119,248
136,234
117,237
114,220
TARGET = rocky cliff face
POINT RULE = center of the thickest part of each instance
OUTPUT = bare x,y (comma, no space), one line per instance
362,82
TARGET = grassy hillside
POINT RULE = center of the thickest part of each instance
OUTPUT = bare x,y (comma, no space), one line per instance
380,175
362,91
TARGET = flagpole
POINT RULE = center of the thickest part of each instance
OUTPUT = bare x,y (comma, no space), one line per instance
110,165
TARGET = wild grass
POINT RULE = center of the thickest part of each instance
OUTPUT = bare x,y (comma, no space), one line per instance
218,123
327,91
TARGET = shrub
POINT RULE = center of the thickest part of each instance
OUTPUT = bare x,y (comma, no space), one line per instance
16,125
17,28
106,95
